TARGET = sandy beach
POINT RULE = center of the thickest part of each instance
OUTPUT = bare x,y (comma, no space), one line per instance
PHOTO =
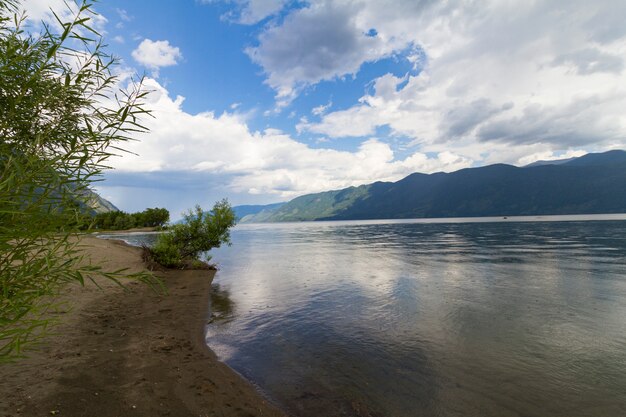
129,353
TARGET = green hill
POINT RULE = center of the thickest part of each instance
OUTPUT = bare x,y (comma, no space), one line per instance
594,183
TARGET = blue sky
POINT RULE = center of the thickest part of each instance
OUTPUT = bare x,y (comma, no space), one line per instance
214,72
264,100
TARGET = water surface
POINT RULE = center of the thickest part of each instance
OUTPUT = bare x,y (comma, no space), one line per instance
426,318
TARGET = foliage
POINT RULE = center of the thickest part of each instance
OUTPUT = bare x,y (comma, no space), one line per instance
119,220
153,217
187,242
61,117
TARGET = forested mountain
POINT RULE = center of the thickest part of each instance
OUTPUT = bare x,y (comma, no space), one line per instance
594,183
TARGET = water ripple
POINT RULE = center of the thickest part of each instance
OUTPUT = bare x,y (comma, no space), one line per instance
429,319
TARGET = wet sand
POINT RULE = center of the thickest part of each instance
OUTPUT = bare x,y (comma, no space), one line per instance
129,353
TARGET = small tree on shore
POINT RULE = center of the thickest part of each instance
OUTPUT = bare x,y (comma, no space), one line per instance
186,244
61,117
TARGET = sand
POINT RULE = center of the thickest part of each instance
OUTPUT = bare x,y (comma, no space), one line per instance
129,353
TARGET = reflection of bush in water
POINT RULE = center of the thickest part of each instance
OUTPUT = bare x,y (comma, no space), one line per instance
221,304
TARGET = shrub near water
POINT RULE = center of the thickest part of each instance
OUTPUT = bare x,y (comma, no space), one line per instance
119,220
185,244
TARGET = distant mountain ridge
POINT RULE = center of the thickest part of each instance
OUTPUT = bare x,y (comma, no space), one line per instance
549,162
593,183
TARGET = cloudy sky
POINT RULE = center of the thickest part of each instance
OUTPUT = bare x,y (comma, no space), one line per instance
264,100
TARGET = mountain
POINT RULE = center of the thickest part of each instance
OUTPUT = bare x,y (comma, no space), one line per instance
594,183
550,162
94,203
241,212
605,158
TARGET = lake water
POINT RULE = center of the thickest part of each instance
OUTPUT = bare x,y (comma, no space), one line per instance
423,318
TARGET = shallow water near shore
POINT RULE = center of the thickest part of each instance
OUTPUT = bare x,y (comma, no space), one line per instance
425,318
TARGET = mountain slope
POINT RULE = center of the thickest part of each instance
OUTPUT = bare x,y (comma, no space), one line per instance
313,206
250,210
600,159
96,203
549,162
594,183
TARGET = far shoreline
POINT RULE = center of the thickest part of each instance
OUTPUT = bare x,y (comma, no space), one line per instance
475,219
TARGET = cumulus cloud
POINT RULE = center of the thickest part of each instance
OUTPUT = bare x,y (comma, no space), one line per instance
544,76
249,12
254,11
323,41
38,11
156,54
268,162
590,60
321,109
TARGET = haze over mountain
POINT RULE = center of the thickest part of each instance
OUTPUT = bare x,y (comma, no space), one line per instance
591,184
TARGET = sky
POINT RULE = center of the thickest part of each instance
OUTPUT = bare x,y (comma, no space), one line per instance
260,101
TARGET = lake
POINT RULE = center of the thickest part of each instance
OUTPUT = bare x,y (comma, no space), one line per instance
485,317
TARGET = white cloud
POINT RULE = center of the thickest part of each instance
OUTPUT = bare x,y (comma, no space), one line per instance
321,42
123,14
38,10
41,11
249,12
156,54
498,77
321,109
268,162
256,10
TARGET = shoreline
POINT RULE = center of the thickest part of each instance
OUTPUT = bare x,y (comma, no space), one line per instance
543,218
129,352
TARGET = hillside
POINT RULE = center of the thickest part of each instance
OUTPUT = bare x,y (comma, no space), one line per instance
594,183
96,203
248,211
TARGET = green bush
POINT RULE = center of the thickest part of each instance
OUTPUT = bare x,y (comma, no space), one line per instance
56,135
153,217
187,243
166,253
119,220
